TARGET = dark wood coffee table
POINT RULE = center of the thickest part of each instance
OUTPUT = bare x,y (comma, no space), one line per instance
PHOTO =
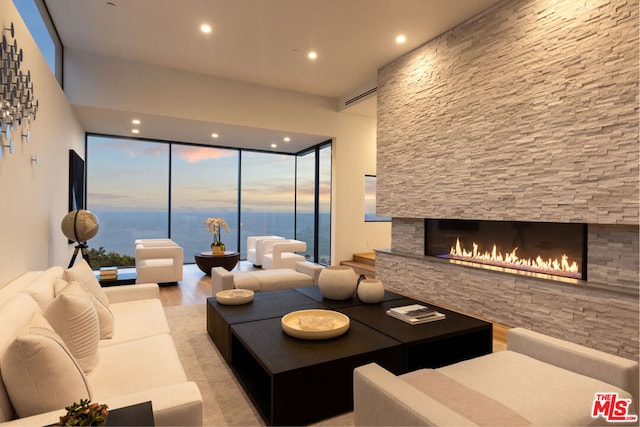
206,261
265,305
277,370
296,382
428,345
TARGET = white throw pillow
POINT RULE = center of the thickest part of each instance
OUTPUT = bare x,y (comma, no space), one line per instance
74,318
42,293
105,316
40,373
82,273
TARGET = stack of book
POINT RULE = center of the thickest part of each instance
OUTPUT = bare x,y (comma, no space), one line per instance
415,314
108,273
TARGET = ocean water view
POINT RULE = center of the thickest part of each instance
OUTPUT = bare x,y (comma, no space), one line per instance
119,230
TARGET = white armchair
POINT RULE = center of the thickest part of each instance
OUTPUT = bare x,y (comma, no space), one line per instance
255,248
281,253
158,261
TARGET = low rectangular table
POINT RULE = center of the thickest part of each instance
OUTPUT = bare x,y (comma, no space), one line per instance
428,345
297,382
266,305
294,381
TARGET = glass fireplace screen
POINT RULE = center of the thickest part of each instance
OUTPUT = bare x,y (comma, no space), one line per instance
536,247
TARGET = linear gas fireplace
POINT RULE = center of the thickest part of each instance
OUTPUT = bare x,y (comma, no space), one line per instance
557,249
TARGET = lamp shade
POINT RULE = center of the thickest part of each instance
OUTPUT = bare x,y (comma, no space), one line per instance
80,225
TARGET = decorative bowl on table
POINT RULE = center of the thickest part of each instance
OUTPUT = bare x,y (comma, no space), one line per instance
234,296
315,324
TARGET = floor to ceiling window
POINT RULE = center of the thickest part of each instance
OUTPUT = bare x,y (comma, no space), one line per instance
156,189
266,196
127,189
323,210
305,200
204,184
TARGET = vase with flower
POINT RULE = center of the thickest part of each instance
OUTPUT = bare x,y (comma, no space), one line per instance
215,226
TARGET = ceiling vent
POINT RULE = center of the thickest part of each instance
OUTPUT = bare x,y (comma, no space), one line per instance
350,100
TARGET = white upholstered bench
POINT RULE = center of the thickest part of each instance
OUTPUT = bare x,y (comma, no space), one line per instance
305,274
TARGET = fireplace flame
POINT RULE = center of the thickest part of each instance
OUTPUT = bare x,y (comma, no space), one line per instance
511,259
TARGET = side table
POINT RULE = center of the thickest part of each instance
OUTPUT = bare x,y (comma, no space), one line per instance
206,261
123,278
140,414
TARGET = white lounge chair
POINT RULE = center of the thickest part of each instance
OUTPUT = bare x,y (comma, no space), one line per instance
255,248
281,253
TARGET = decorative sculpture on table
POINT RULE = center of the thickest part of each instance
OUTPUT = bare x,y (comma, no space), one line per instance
80,226
214,225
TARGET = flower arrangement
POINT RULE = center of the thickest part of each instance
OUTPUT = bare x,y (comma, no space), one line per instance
214,225
85,413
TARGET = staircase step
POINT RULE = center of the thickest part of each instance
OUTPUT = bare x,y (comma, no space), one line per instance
365,258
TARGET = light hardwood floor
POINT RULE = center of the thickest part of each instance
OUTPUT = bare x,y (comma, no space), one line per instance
195,287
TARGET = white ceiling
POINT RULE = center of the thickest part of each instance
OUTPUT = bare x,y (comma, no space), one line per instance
260,41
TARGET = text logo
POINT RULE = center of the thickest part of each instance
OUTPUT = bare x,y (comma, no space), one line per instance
612,408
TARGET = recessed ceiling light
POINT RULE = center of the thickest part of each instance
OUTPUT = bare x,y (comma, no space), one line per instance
205,28
401,38
286,139
274,145
214,135
312,55
136,131
135,121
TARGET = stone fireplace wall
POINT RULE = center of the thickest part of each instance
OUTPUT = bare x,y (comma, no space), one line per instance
528,112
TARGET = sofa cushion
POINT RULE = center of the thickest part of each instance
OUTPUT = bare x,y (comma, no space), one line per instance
246,280
137,319
73,317
269,280
136,366
40,373
105,316
82,273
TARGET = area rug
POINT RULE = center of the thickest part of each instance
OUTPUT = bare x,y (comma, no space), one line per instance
225,402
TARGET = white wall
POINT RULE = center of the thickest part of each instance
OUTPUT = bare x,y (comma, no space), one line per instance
104,82
34,199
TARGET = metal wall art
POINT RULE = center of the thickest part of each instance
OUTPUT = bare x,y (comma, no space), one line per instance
17,106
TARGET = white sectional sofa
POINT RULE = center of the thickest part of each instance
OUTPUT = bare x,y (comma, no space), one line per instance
49,357
538,381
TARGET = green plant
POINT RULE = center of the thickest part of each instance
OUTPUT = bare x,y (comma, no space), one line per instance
100,258
85,413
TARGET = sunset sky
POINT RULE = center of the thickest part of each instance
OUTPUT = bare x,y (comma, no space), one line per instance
125,174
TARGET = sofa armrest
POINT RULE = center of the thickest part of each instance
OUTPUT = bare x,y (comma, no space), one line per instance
278,248
221,280
614,370
124,293
382,399
174,405
264,245
310,269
